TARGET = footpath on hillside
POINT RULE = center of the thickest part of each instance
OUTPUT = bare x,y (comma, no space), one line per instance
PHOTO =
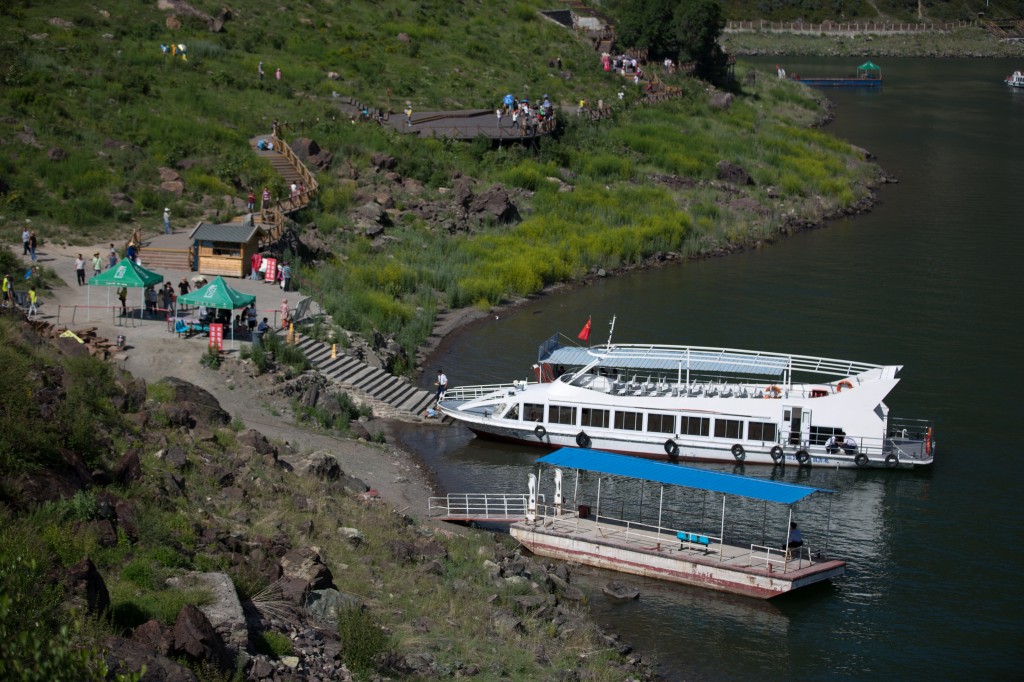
152,352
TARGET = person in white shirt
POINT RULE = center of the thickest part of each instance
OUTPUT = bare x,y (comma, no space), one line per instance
442,385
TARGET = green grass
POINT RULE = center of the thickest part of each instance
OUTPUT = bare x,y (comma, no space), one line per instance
122,111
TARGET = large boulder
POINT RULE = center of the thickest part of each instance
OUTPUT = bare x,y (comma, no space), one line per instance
85,584
201,405
224,611
732,173
195,638
302,572
494,204
123,656
310,153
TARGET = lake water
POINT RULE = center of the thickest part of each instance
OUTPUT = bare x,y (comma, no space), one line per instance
930,280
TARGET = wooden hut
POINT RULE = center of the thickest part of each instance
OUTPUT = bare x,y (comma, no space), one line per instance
225,250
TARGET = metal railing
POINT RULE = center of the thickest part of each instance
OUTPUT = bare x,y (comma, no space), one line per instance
775,556
480,506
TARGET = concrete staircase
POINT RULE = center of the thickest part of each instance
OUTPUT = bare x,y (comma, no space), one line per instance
389,396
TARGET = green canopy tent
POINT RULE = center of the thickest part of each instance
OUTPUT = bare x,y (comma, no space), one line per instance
869,70
217,294
125,274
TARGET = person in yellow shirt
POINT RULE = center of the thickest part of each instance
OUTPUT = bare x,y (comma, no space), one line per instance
33,303
8,290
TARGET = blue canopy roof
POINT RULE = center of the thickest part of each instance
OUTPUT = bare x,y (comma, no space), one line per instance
674,474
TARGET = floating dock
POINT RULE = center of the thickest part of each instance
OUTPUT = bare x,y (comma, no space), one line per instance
622,540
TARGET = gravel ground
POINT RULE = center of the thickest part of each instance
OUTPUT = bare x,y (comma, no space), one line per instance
152,352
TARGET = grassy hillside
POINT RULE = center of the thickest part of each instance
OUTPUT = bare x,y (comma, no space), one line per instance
91,110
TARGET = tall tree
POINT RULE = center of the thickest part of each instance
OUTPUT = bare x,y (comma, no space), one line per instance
699,25
683,30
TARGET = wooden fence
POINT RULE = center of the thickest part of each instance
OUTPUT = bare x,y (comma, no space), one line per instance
846,28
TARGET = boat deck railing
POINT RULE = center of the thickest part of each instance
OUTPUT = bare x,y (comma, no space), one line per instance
673,541
654,385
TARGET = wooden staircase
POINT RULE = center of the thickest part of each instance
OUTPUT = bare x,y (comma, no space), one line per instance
284,161
389,396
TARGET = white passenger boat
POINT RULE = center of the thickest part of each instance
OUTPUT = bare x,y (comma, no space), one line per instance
700,404
1015,79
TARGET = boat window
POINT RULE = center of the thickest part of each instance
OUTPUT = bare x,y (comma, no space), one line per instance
661,423
561,414
762,431
629,421
820,434
513,412
695,426
533,412
590,416
728,428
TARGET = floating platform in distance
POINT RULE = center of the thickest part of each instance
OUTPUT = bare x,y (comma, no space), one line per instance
841,82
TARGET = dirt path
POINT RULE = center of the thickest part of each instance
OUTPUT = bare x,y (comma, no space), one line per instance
152,353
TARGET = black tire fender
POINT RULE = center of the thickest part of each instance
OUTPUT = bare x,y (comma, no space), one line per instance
777,455
861,459
582,439
803,457
671,449
891,461
738,452
540,432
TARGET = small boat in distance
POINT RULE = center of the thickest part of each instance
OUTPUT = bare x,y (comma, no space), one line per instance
1015,79
868,75
699,404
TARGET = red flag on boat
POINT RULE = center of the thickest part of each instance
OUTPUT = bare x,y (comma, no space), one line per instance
584,334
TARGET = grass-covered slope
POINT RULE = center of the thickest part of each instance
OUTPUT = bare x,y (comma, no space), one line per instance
91,110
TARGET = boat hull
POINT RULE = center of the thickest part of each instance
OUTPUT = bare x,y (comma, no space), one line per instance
687,454
841,82
678,567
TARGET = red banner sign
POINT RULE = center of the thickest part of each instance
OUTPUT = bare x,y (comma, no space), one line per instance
217,336
271,275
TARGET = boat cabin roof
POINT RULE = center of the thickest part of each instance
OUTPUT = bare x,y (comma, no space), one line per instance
696,358
673,474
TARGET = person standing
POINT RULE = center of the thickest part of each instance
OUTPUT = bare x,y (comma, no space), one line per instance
122,295
277,74
80,269
259,71
284,313
251,317
97,264
7,290
266,199
286,276
33,303
408,115
252,202
32,245
167,220
26,234
442,385
112,257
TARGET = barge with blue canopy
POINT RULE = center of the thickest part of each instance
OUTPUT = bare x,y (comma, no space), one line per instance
676,536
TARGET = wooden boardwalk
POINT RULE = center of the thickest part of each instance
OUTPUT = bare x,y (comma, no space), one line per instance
467,124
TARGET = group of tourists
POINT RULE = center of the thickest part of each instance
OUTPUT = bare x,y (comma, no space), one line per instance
529,120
